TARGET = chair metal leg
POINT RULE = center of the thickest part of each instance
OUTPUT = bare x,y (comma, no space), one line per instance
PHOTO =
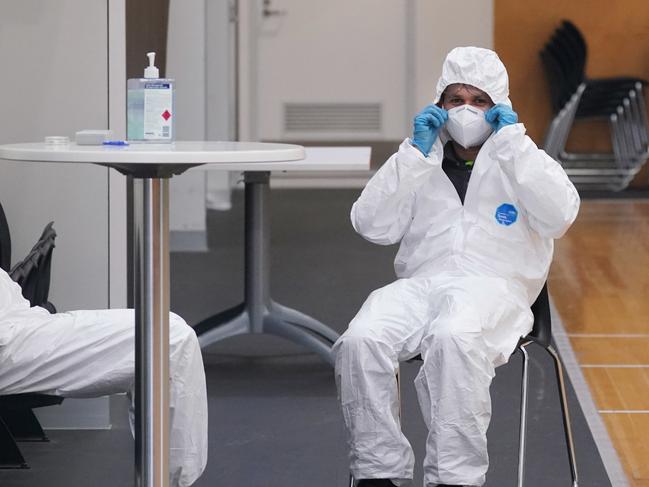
567,428
523,420
564,409
523,414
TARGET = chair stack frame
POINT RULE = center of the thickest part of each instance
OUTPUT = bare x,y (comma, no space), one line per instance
619,101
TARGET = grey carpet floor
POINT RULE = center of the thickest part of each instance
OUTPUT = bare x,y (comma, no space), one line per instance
274,418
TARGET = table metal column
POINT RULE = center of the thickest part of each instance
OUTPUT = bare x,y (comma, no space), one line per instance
151,293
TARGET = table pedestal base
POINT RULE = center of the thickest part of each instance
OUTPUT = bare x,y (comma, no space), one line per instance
259,313
274,319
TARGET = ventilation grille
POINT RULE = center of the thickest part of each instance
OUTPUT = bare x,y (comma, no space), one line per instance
332,117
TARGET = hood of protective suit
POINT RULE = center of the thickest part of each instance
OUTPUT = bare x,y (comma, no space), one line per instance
478,67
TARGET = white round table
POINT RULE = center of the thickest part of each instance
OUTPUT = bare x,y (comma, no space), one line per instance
151,166
162,160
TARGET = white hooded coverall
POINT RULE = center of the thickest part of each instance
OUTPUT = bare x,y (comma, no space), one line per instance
467,276
92,353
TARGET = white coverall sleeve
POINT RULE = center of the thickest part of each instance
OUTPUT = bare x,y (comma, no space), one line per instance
542,186
383,211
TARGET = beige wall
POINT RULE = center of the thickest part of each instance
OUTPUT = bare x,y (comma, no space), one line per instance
617,34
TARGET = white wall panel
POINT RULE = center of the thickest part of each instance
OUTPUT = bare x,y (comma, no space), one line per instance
343,56
186,64
369,51
199,58
54,82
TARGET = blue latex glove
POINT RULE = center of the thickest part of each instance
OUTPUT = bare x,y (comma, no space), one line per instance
500,116
426,126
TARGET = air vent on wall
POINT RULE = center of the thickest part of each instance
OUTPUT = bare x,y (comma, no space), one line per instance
332,117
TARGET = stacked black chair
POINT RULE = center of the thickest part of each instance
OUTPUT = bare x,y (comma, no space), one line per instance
541,335
574,97
17,420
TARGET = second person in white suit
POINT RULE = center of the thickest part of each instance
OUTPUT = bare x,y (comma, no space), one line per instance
91,353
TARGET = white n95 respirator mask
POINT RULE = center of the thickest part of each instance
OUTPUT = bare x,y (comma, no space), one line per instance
467,126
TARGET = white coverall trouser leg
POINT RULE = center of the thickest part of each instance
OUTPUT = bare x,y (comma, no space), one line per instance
92,353
463,327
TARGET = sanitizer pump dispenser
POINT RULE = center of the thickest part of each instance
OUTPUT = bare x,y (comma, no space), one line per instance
150,107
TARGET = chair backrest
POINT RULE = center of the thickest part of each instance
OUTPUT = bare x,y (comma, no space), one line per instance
578,41
542,328
564,62
574,47
5,242
33,272
556,80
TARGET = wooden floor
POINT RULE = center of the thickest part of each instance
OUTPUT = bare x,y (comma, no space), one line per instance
600,284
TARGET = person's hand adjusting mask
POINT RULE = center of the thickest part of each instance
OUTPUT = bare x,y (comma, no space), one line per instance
500,116
427,124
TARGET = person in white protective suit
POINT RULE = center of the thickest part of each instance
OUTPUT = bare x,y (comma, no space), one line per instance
92,353
476,206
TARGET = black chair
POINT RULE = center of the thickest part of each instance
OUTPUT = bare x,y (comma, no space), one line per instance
541,334
34,271
17,420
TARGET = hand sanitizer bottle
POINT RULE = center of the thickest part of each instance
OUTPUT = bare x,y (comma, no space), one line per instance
150,107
